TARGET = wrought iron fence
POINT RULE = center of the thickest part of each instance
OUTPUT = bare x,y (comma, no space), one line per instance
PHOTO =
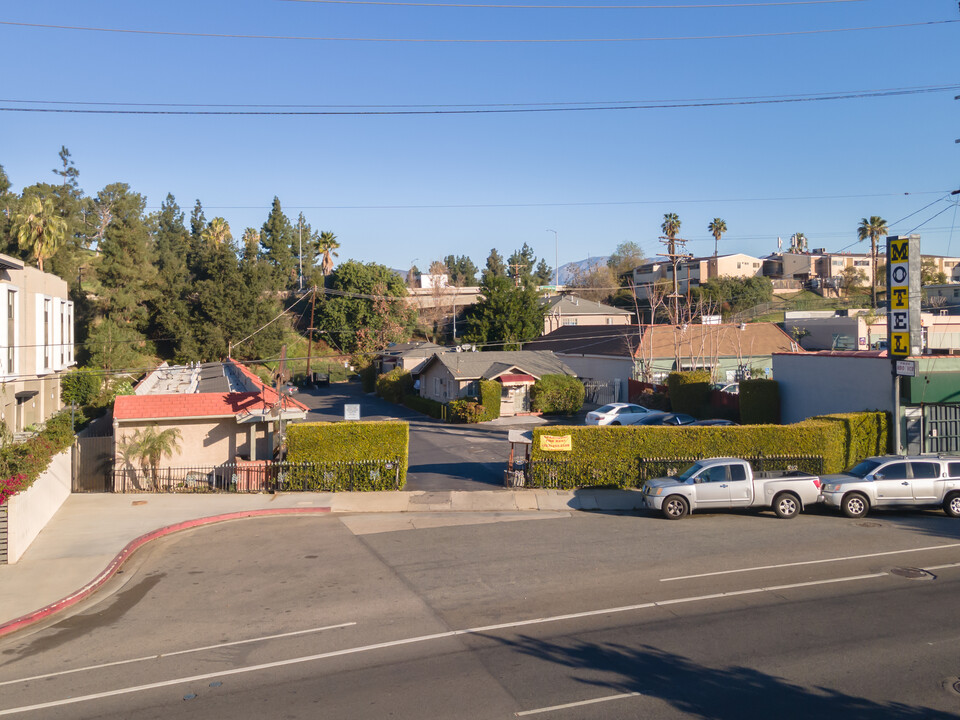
632,472
262,476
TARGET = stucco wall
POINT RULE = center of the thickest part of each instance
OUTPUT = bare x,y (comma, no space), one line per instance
820,384
30,511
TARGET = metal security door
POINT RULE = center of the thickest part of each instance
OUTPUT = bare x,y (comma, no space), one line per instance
942,423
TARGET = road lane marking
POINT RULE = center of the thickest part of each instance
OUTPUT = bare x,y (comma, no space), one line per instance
576,704
808,562
421,639
159,656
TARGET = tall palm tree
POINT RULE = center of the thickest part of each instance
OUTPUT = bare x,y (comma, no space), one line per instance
218,231
39,229
717,228
327,246
670,227
872,228
148,446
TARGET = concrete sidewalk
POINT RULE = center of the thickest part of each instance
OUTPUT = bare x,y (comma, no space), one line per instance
91,535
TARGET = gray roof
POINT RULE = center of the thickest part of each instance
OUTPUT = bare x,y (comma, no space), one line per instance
476,365
423,346
573,305
612,340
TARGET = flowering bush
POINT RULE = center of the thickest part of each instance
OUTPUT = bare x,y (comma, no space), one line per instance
22,463
11,486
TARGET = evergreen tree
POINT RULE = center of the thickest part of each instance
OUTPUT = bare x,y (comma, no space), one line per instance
277,239
7,207
198,222
170,310
462,271
522,266
495,266
544,273
505,316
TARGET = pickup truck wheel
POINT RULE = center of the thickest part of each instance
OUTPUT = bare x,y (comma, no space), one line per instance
951,505
675,507
786,505
855,505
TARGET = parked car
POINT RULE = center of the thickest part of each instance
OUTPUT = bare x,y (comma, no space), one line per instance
618,414
730,483
665,418
890,480
714,421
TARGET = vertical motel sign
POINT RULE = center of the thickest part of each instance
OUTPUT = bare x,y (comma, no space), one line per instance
903,291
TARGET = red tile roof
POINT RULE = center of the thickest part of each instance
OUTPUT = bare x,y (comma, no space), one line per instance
516,379
139,407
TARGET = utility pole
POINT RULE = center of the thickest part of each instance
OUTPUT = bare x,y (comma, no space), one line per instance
313,299
300,228
675,258
516,273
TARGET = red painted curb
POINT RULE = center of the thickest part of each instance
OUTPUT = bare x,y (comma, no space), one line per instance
110,570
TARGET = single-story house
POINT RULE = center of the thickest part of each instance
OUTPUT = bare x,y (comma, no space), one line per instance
454,375
224,412
567,310
410,356
651,352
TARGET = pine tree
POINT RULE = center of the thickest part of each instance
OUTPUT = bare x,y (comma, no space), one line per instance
495,266
170,311
277,239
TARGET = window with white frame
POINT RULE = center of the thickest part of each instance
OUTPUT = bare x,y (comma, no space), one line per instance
47,331
11,301
569,321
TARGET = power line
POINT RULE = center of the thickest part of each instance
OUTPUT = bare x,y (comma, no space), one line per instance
478,41
714,6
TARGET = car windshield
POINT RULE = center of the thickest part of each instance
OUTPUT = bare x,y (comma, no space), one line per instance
689,472
606,409
862,469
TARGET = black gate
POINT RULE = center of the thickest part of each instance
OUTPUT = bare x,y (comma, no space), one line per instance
93,464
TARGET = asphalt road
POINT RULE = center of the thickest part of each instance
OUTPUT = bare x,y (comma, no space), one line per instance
735,615
442,456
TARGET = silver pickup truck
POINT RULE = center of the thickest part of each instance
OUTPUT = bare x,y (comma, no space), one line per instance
921,480
730,483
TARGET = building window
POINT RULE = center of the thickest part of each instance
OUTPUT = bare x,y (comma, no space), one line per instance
11,331
473,387
569,321
609,321
46,333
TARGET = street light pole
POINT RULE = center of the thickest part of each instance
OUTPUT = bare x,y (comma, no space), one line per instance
556,280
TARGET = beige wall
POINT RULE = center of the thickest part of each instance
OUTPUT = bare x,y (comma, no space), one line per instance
436,383
553,321
41,351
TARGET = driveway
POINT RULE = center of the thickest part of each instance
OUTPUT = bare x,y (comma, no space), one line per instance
442,456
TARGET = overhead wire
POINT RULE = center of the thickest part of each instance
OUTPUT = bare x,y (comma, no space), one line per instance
476,41
703,6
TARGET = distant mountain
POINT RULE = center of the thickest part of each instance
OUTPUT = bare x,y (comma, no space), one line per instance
566,271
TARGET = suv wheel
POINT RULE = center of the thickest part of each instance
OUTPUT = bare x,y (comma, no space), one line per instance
855,505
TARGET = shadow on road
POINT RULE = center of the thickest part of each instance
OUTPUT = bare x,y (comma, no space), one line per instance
731,693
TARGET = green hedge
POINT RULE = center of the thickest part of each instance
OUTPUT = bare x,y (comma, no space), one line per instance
490,399
426,406
394,385
610,455
368,378
379,451
557,395
759,402
688,391
22,463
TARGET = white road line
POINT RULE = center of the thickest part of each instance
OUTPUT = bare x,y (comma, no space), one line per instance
809,562
421,639
576,704
941,567
159,656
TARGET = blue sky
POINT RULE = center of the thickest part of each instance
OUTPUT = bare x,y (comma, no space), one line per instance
399,188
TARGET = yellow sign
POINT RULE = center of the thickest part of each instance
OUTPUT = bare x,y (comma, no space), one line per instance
899,343
899,250
556,442
899,298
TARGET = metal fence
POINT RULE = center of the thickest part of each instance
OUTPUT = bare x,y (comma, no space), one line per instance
601,392
632,472
262,476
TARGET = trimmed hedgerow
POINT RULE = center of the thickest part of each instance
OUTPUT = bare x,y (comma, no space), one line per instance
394,385
490,399
426,406
557,395
610,455
688,391
348,455
759,402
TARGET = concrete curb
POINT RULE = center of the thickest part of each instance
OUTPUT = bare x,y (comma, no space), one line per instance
111,569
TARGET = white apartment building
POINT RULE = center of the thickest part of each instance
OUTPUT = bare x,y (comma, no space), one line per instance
36,343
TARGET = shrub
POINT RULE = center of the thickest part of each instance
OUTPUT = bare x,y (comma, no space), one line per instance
490,399
394,385
465,411
610,455
348,455
557,395
759,402
368,378
22,463
688,391
426,406
80,387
